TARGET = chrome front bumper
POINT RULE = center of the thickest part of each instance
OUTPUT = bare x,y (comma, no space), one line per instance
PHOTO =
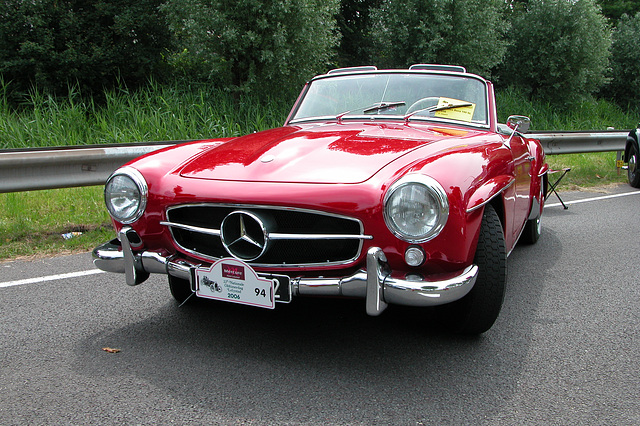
375,284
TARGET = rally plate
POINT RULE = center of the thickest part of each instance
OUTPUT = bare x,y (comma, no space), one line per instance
232,280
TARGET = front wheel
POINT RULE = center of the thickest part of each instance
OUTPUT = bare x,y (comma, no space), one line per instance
476,312
632,162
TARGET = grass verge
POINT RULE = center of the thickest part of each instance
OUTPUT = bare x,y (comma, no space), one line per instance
33,223
588,170
156,113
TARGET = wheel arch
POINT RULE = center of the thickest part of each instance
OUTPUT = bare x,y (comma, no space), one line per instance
489,191
489,194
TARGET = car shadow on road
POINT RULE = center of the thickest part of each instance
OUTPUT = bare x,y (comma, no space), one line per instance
326,359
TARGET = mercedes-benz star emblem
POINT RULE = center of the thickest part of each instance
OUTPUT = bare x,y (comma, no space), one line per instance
244,235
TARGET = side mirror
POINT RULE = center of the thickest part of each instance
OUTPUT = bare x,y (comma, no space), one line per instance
519,123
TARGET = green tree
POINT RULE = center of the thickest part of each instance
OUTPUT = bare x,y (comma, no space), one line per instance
354,21
614,9
459,32
253,44
624,86
57,43
559,50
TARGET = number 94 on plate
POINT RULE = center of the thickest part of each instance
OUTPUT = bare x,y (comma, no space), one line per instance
232,280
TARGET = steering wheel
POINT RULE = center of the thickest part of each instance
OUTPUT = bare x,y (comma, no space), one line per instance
422,104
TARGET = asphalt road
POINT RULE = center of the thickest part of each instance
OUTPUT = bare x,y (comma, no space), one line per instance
565,349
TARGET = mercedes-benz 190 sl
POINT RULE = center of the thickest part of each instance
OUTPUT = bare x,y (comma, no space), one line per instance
393,186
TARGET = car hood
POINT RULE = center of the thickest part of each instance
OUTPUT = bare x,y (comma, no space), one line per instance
328,153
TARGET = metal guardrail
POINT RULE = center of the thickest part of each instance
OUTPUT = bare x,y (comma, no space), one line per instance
36,169
581,141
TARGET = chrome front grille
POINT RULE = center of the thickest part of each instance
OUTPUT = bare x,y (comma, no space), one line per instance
291,237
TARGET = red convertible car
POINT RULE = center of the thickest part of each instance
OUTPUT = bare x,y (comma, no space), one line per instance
393,186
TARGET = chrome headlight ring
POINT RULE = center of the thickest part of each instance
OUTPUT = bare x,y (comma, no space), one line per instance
125,195
416,208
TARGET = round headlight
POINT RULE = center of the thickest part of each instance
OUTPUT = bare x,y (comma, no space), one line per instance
416,208
125,195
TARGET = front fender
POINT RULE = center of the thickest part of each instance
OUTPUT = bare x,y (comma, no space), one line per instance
489,190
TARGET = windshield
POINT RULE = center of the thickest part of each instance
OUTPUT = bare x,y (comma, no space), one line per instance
407,96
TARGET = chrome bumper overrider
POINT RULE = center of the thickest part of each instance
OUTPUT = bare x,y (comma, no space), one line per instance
375,284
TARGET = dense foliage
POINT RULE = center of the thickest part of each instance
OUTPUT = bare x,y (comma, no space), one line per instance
354,21
460,32
252,44
625,61
57,43
559,50
556,50
614,9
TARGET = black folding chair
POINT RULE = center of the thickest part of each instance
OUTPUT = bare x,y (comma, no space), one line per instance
553,186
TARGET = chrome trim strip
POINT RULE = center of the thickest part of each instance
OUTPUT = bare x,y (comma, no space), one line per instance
274,235
207,231
399,119
278,236
485,202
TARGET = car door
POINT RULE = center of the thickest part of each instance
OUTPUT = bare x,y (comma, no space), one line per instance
522,172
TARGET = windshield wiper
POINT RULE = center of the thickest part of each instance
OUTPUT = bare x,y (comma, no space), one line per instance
378,106
450,106
382,105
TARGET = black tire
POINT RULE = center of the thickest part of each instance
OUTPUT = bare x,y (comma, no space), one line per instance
632,166
180,289
531,232
476,312
533,227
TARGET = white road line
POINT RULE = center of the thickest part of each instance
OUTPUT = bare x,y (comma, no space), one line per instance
586,200
51,278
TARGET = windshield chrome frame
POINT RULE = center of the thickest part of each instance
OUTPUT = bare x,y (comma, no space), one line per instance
389,117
